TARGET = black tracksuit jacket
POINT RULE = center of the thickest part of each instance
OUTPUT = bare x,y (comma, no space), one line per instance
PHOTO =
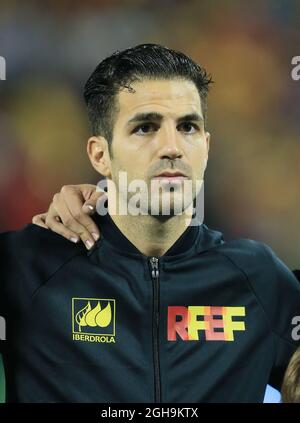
209,321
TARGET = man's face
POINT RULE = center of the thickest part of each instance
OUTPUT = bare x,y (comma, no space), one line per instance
146,147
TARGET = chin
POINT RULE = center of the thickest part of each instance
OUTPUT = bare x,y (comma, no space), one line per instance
173,206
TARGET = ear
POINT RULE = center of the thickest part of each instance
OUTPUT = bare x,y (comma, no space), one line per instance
207,139
97,149
207,136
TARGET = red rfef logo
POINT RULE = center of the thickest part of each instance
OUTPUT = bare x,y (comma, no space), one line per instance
210,323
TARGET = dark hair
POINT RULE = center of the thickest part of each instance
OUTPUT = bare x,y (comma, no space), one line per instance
290,390
144,61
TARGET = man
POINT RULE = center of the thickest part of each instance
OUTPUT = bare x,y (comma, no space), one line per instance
153,311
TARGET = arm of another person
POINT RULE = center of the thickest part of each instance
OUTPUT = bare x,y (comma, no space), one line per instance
69,214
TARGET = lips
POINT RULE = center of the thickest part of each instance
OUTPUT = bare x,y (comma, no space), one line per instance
174,178
171,175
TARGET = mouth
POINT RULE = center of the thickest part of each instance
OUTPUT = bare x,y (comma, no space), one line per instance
171,177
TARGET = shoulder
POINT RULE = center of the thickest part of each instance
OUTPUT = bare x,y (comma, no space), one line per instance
256,257
259,263
273,284
243,252
36,239
34,247
239,249
29,257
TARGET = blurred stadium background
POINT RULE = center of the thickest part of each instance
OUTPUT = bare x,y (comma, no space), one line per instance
252,179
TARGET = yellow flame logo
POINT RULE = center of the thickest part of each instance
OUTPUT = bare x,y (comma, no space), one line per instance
93,317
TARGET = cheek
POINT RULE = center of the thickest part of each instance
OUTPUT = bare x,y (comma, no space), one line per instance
130,168
198,162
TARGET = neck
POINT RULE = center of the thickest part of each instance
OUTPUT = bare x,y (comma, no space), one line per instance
152,235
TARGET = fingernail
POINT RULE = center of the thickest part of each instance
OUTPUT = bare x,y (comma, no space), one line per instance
89,206
73,239
95,236
88,244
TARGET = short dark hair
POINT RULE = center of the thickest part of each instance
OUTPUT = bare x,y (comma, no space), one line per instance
144,61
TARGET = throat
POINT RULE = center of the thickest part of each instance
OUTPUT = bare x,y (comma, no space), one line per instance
149,234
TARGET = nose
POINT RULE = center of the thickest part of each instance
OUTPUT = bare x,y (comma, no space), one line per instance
170,147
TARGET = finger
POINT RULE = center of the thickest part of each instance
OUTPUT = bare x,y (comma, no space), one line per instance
56,226
61,209
86,190
39,220
90,205
73,199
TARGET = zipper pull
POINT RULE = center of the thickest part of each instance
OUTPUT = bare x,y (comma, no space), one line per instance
154,266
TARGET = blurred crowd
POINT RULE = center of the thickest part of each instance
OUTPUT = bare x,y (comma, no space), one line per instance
51,47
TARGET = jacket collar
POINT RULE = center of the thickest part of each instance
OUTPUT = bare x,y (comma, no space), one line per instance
110,232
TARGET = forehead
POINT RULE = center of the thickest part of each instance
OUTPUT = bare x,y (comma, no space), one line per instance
171,97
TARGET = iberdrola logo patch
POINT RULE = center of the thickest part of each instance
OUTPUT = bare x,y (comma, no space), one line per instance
94,319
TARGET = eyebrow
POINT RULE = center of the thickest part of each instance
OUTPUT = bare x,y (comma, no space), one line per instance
154,116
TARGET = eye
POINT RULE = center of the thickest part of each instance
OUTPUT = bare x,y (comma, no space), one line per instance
144,127
188,125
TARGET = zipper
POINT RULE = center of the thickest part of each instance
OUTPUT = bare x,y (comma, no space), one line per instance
154,263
